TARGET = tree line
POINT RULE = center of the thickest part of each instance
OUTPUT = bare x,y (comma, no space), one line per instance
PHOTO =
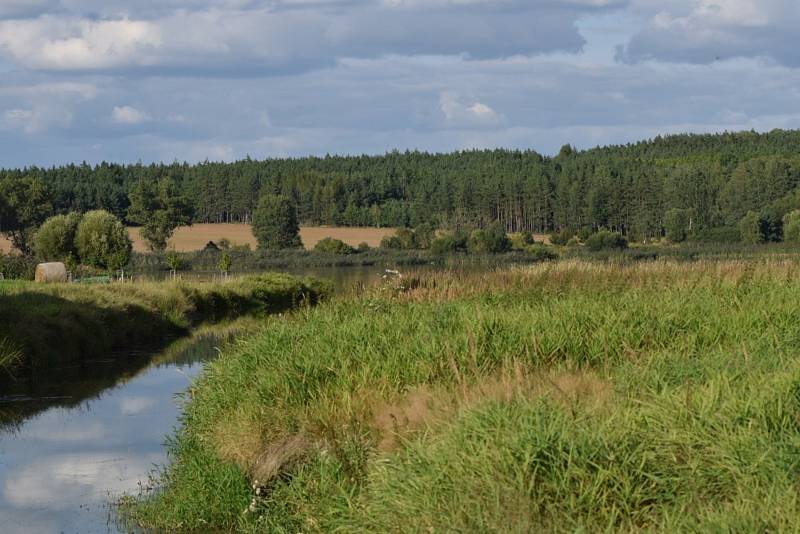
685,185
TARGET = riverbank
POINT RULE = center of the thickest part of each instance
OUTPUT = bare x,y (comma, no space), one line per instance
565,396
41,325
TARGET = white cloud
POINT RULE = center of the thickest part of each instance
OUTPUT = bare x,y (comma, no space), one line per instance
458,113
128,115
705,31
56,43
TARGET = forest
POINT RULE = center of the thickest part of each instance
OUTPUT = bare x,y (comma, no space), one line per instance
708,183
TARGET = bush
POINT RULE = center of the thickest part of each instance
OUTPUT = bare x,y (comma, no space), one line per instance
391,242
541,252
791,227
491,240
450,243
751,228
424,235
678,223
573,242
522,240
333,246
55,239
407,238
363,247
605,240
722,234
561,237
103,241
16,266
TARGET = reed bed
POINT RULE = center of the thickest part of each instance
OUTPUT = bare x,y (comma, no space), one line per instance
561,397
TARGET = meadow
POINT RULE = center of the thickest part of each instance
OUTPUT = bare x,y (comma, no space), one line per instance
43,325
568,396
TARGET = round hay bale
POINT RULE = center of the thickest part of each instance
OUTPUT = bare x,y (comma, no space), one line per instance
48,273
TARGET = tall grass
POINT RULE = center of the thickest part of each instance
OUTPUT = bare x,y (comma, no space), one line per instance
569,396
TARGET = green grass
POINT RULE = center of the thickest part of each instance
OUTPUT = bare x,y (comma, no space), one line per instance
564,397
41,325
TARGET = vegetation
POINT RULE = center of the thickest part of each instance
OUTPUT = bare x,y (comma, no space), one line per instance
275,223
159,208
55,239
567,397
102,241
605,240
628,189
57,323
330,245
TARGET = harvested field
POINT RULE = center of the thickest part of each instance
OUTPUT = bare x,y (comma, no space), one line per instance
187,239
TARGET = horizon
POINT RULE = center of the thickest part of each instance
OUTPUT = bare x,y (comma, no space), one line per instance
403,151
104,81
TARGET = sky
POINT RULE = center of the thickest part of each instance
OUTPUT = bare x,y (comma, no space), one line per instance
218,80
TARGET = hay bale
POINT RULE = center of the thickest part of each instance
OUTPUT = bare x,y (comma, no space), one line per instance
48,273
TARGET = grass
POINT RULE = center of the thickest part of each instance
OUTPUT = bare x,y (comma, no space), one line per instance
569,396
42,325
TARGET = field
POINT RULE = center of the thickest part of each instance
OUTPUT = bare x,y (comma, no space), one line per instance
187,239
568,396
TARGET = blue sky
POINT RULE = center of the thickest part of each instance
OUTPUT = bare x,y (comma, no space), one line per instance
159,80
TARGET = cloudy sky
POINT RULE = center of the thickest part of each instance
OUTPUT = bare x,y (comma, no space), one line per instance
159,80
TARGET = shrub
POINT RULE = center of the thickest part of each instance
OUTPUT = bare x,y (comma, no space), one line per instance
17,266
722,234
407,238
491,240
573,242
561,237
541,252
103,241
391,242
333,246
522,240
605,240
791,227
363,247
424,235
678,224
55,239
450,243
751,228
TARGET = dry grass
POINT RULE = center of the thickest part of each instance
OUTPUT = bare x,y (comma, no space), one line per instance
191,238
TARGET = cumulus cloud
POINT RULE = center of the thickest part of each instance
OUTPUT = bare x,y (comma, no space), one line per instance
705,31
128,115
54,43
280,36
459,113
299,77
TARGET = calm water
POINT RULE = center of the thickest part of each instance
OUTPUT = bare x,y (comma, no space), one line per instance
72,441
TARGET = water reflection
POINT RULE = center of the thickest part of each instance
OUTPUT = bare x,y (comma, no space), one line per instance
76,437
